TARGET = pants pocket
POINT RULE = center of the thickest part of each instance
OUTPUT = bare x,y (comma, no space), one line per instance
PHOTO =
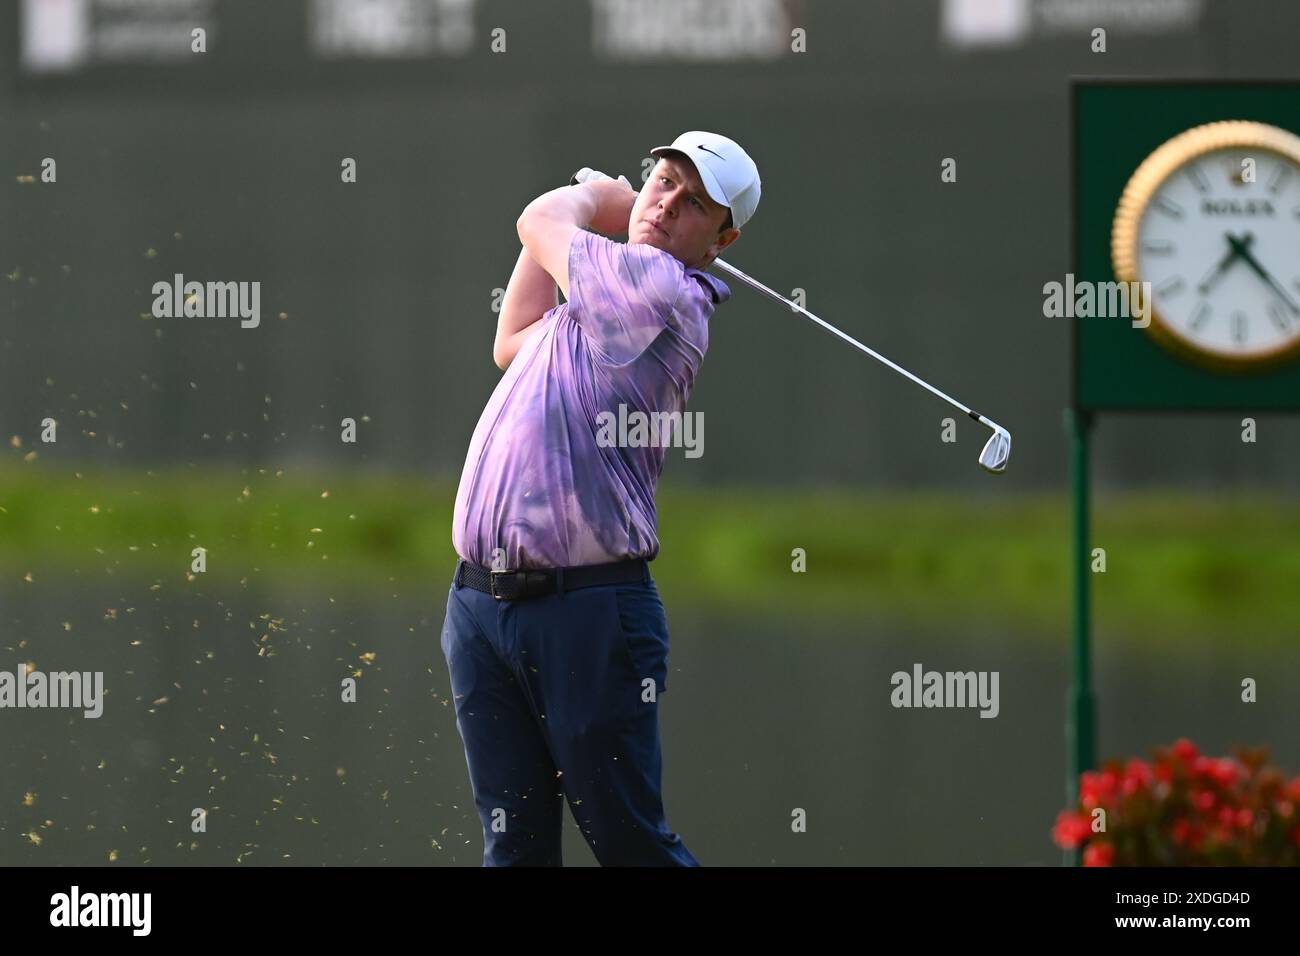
643,626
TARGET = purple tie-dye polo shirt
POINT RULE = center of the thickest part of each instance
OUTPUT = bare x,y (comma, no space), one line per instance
537,483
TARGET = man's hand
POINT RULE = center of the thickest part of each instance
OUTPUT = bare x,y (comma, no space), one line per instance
587,174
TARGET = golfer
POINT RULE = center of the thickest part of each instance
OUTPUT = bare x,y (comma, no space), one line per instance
555,637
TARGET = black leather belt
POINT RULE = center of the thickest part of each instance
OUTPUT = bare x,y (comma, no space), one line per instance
537,582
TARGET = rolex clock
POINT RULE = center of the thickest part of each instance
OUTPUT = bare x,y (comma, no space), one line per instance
1211,220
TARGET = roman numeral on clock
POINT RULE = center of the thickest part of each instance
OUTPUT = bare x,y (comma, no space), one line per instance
1239,327
1170,286
1280,318
1200,316
1168,207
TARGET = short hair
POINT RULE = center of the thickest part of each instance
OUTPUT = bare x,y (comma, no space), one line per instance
726,225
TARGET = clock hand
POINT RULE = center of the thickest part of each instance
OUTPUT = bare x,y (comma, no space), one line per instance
1226,261
1251,261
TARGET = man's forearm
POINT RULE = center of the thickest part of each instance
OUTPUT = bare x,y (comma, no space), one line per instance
601,205
575,204
530,294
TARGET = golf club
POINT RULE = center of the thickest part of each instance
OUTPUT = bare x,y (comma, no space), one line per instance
996,451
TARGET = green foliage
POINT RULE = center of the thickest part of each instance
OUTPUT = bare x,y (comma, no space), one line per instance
1174,561
1185,809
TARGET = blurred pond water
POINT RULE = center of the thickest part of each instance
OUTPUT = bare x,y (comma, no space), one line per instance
230,700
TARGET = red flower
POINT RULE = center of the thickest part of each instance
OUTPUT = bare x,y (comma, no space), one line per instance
1097,788
1088,788
1099,854
1204,809
1137,776
1185,750
1225,772
1071,829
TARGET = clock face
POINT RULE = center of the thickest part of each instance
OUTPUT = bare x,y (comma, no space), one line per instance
1215,229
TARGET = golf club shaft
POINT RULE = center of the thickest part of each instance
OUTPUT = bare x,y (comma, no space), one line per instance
754,283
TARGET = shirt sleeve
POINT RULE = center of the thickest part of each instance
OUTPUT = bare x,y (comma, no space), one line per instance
621,296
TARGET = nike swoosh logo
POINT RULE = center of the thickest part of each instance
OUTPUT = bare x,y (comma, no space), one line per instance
707,150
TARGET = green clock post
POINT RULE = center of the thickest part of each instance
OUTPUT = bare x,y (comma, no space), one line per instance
1186,210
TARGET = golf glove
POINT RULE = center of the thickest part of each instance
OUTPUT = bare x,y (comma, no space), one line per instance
586,175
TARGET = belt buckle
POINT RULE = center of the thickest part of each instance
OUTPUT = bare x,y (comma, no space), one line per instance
492,583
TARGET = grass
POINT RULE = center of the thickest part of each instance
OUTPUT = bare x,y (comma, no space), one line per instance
1174,561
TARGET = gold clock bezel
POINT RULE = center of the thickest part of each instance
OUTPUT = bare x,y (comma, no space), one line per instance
1166,160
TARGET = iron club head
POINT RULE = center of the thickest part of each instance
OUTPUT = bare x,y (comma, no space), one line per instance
996,450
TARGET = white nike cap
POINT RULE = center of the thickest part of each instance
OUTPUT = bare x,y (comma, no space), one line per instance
728,174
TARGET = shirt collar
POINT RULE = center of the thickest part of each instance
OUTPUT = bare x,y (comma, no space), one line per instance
717,288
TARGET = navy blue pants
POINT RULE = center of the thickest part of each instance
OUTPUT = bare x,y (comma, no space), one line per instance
557,698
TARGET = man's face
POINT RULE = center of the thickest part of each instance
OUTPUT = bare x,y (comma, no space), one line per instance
687,218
